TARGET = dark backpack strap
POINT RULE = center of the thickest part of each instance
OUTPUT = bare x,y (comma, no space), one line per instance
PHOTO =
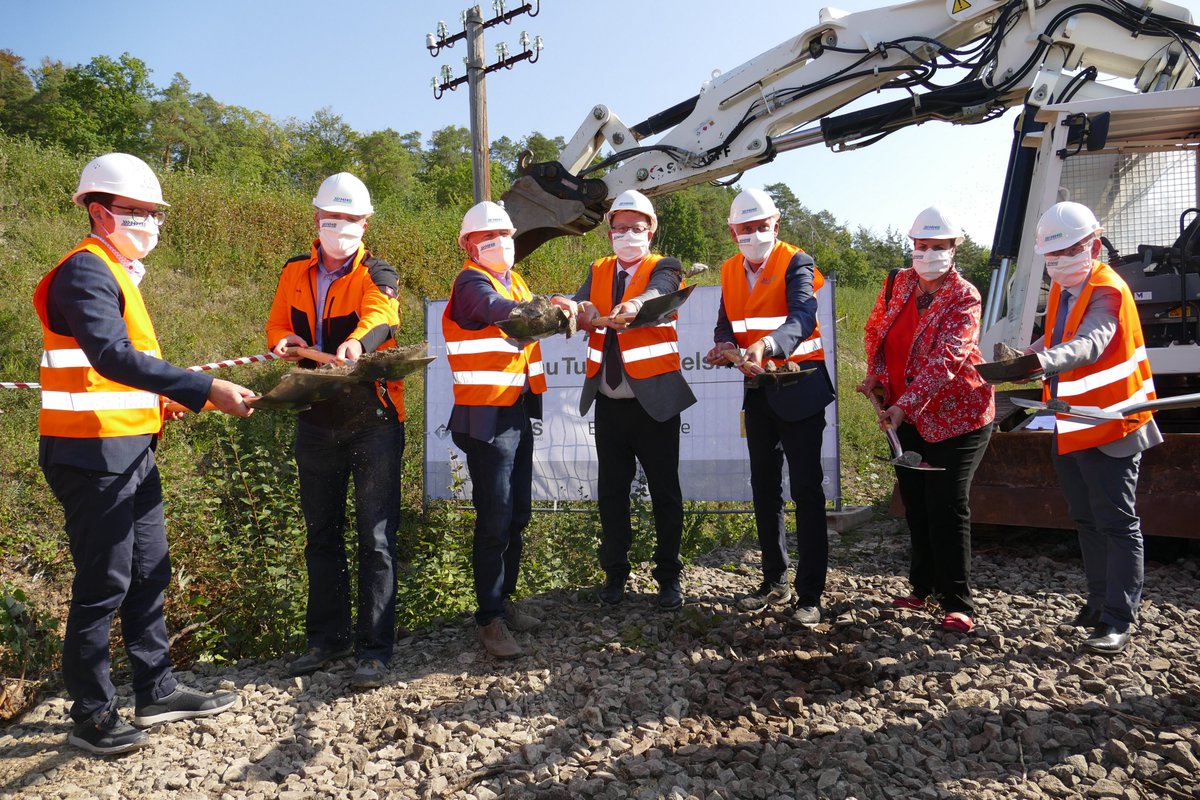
891,281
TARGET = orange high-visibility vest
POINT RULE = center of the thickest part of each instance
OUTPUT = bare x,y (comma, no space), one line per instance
77,401
1119,378
647,351
758,313
354,305
487,367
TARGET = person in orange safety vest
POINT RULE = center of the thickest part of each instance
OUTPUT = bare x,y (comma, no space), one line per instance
341,300
768,313
1093,354
104,381
634,378
498,385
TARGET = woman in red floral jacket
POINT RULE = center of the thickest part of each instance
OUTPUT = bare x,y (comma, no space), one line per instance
922,345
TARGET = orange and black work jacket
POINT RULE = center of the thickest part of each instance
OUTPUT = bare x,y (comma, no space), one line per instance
756,313
77,401
487,367
362,305
648,351
1119,378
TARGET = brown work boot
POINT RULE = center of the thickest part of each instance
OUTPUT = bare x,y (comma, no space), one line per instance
517,619
497,640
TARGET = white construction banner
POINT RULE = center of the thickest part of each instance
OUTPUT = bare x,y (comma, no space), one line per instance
713,462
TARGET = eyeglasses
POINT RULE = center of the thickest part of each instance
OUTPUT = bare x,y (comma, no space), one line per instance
141,214
1074,249
623,229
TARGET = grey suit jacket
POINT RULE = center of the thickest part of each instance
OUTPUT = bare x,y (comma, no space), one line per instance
662,396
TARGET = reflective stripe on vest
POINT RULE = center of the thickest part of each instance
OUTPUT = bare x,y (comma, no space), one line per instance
755,313
486,367
77,401
74,358
1118,379
647,351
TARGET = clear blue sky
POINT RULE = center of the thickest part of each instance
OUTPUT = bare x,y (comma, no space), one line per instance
367,62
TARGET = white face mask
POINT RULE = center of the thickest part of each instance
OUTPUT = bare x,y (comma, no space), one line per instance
932,264
755,247
496,254
133,239
1070,271
340,238
630,247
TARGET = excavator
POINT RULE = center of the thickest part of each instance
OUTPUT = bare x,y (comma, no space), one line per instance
1109,116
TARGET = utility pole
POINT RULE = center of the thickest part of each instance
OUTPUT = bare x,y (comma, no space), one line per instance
481,162
473,28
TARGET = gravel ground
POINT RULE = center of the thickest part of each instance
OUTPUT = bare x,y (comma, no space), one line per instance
707,702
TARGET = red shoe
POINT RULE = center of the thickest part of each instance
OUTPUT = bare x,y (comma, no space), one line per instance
911,602
957,621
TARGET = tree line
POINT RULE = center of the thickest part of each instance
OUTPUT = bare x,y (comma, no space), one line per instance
111,104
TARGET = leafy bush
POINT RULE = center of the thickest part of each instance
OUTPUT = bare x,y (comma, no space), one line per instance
29,648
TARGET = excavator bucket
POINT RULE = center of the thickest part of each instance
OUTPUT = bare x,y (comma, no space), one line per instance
547,202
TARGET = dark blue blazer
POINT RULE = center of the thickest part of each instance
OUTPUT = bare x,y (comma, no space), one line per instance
84,301
475,304
808,395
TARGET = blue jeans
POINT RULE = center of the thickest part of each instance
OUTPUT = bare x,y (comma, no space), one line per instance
501,490
326,458
1100,491
118,543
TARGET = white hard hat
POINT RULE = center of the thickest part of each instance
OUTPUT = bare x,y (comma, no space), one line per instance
633,200
1063,225
752,205
936,223
485,216
119,174
344,194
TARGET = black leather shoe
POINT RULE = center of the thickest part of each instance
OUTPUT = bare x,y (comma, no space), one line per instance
1087,618
108,735
316,657
1107,640
670,596
612,592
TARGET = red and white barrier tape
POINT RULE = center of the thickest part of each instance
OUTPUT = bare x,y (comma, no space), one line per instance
233,362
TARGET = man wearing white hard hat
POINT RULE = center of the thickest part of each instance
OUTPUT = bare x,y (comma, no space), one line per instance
1092,354
103,383
498,383
768,312
341,300
634,378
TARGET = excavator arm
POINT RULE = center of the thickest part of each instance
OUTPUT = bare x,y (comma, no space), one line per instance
996,53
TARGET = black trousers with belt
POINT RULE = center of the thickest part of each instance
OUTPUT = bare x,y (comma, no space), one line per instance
627,435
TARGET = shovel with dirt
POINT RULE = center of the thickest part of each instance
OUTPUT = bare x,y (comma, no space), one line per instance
299,388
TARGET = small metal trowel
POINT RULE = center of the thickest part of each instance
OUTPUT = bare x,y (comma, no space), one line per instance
909,459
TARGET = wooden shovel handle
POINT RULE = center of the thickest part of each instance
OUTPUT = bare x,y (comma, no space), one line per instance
313,355
603,322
